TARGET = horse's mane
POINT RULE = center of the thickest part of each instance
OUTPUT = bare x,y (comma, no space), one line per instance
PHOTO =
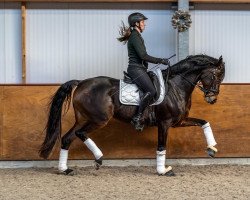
192,62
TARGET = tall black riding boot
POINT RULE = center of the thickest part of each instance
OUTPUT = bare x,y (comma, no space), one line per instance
137,119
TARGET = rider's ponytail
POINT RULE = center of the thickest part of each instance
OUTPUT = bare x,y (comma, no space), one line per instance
125,33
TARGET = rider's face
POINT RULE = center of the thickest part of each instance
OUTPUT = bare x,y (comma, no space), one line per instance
142,25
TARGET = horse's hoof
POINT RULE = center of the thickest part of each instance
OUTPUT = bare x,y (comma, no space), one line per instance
67,172
211,152
170,173
98,163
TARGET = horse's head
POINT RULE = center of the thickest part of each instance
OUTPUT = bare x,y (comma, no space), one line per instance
207,70
211,78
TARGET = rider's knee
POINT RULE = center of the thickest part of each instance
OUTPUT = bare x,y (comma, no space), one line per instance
153,93
150,95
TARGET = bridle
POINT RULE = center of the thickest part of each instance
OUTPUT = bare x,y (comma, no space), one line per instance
212,87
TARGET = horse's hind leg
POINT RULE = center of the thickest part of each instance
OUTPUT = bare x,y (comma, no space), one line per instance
82,134
66,141
79,131
96,106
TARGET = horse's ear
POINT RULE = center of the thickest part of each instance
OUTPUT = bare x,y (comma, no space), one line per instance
220,61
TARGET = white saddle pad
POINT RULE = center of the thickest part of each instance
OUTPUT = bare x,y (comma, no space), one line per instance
129,93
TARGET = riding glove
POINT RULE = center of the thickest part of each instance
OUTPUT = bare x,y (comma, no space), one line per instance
165,61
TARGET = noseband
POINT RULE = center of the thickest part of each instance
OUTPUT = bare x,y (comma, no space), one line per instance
211,89
212,86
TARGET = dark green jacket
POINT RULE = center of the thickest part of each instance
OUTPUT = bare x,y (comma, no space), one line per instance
137,51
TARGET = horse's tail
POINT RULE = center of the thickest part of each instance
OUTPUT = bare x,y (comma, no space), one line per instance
53,127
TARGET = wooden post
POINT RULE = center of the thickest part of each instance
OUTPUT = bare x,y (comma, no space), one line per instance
183,37
23,8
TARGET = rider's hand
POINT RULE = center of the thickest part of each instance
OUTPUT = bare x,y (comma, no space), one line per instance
165,61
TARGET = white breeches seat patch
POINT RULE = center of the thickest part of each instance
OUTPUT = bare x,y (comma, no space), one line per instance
129,93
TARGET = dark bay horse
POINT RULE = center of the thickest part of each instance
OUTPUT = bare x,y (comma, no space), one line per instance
96,101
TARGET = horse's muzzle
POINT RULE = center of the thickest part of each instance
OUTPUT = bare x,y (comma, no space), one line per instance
211,98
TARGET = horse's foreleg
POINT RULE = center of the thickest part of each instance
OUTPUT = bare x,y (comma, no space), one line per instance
161,150
207,132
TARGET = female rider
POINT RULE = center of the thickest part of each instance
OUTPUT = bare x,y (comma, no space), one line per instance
138,63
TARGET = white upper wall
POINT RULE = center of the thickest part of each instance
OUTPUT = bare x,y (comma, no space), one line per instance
78,41
69,43
10,43
226,33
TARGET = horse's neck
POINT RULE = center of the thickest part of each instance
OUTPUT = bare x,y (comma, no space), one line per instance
187,73
185,83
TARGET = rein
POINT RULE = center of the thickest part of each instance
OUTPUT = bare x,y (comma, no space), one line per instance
211,88
205,91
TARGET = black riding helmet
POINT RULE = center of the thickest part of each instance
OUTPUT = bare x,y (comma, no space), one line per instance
135,17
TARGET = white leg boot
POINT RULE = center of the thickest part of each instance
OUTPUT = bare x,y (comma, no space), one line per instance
210,139
160,160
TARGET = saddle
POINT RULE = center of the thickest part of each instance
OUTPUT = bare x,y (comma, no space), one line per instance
130,94
127,79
